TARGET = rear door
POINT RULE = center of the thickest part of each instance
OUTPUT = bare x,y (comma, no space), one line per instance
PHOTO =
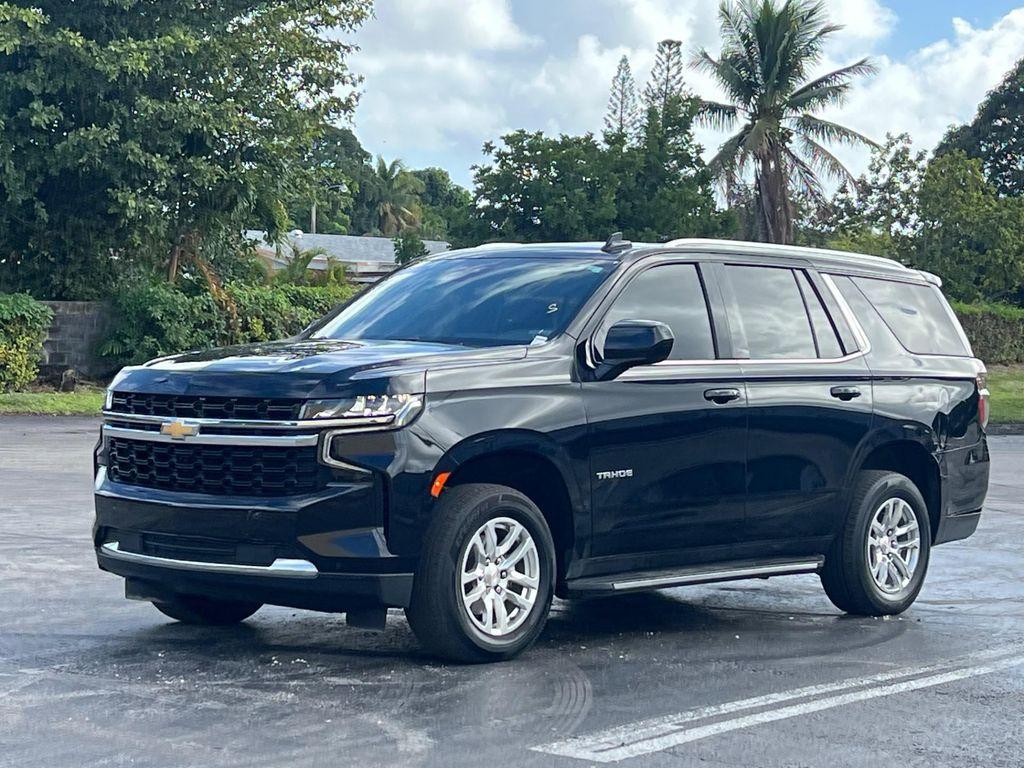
809,403
667,441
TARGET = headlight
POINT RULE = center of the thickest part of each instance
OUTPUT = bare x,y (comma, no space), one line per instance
108,401
366,410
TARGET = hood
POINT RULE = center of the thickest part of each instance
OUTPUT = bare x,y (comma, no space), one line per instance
308,368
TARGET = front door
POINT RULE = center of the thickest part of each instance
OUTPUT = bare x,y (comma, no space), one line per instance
667,441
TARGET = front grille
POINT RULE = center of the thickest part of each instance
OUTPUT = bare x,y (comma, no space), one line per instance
203,407
216,469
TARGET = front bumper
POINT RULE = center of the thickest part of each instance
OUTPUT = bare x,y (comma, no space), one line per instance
324,551
297,584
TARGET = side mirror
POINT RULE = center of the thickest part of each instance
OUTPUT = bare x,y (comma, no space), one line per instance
630,343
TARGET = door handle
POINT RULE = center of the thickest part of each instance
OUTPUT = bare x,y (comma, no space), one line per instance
845,393
721,396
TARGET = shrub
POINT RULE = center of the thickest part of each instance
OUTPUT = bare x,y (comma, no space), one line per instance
996,331
160,319
23,326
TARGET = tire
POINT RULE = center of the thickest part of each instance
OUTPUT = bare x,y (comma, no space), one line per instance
206,611
864,574
440,617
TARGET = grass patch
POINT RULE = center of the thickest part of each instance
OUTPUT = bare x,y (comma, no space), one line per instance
1006,385
84,402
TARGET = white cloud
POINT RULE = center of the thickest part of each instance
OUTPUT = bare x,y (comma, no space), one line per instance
935,86
444,76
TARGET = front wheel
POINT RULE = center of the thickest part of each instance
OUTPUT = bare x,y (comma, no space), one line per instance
878,562
206,611
483,587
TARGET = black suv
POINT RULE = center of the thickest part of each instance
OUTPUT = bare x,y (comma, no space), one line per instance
491,427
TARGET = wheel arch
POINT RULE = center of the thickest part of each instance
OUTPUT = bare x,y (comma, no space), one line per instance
536,466
911,459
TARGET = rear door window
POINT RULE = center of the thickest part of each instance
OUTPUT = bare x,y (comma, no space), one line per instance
916,314
672,294
769,313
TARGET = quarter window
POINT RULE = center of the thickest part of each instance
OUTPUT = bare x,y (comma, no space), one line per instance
916,314
769,313
672,294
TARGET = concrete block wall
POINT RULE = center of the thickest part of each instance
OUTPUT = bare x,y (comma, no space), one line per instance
78,328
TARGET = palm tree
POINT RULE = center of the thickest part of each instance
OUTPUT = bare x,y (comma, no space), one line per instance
395,196
767,52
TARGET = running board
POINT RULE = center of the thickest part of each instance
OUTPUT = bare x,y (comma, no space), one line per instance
679,577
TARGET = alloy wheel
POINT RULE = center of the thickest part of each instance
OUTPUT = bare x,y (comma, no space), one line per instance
893,546
499,579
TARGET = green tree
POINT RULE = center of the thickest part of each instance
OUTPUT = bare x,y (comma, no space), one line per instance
136,132
667,76
880,213
622,121
446,209
538,188
969,235
394,194
408,246
768,50
338,167
996,135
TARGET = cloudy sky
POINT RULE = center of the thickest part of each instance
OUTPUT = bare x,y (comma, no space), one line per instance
443,76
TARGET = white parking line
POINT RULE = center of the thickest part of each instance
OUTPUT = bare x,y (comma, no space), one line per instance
662,733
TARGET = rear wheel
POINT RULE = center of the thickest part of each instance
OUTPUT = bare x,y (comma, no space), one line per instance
207,611
484,584
878,562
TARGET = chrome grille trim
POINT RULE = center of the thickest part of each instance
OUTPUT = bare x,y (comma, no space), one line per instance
379,422
277,441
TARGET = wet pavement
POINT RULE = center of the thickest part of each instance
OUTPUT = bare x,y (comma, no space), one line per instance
762,673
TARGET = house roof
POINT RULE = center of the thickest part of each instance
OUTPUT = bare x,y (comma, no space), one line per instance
343,248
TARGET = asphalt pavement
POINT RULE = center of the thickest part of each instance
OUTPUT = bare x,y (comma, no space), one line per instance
763,673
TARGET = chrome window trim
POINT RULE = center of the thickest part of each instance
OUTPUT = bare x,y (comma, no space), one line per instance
281,567
278,441
864,345
378,422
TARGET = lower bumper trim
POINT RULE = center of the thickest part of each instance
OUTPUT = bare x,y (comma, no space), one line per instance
280,568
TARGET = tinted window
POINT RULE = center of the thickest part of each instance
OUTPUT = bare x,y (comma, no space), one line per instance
472,301
825,334
916,314
671,294
770,313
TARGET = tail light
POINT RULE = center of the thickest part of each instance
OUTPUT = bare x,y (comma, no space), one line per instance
983,405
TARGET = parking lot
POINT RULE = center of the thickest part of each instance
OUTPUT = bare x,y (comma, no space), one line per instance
760,673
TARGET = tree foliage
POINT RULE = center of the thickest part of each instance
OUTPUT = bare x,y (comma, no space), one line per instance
667,80
138,131
622,121
996,135
970,235
768,52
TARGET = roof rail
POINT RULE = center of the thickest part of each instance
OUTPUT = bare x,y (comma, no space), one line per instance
784,250
615,243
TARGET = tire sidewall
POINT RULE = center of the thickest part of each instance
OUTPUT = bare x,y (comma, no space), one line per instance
515,508
892,486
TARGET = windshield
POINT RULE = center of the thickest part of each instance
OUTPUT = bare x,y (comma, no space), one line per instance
480,302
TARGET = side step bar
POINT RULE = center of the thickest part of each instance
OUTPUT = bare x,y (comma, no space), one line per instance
679,577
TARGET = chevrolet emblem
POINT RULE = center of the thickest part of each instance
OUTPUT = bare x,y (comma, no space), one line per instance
179,430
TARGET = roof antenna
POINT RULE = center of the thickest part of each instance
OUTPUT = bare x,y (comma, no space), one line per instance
615,243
